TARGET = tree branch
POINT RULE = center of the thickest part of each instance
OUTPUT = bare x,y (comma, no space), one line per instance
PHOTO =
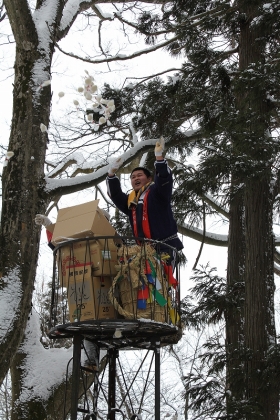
67,186
144,79
215,205
197,234
2,14
139,30
20,16
119,57
203,238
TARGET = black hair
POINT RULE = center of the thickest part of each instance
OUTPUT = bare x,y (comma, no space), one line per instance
141,168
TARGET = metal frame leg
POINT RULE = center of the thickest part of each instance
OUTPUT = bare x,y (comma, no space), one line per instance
77,343
157,381
112,355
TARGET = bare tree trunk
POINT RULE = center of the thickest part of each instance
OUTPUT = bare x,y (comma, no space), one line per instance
23,183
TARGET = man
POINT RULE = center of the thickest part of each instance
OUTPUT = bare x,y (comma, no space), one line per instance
149,204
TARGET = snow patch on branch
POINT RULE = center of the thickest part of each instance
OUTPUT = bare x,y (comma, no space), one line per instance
79,162
277,240
70,11
40,73
44,18
77,157
10,296
210,235
53,184
216,202
102,14
39,381
143,160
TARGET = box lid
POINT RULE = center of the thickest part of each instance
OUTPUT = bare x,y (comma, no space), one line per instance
81,221
68,213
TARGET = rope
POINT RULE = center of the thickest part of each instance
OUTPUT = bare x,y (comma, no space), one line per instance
131,272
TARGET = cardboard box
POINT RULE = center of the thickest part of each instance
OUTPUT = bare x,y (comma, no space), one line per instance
81,221
88,299
84,259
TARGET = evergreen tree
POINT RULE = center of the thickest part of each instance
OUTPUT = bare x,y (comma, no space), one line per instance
228,90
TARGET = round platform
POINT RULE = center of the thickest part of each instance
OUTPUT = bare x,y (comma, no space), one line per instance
141,333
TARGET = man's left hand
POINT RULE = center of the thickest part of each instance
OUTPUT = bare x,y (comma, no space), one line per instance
159,148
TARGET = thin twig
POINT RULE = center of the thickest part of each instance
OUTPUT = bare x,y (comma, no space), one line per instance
203,238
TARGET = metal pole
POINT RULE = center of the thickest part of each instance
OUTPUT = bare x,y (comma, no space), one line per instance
77,342
157,381
95,394
112,355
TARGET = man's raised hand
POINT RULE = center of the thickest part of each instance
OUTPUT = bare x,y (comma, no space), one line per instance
42,220
114,165
159,147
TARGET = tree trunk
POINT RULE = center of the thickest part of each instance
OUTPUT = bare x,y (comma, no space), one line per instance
256,149
235,311
262,388
22,198
23,183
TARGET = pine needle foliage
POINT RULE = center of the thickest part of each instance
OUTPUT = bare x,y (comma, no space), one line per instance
222,108
209,293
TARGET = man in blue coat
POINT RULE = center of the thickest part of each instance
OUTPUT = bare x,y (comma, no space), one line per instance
149,204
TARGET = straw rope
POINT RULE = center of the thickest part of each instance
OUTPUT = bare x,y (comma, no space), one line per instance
130,278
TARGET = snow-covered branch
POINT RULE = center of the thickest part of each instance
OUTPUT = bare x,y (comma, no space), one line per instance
101,14
277,269
62,166
197,234
70,12
67,186
211,238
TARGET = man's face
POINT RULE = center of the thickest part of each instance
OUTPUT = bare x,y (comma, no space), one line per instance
138,180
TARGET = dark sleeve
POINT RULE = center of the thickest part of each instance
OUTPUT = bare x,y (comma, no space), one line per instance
163,180
118,197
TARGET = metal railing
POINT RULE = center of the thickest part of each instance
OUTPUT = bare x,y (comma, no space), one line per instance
115,278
